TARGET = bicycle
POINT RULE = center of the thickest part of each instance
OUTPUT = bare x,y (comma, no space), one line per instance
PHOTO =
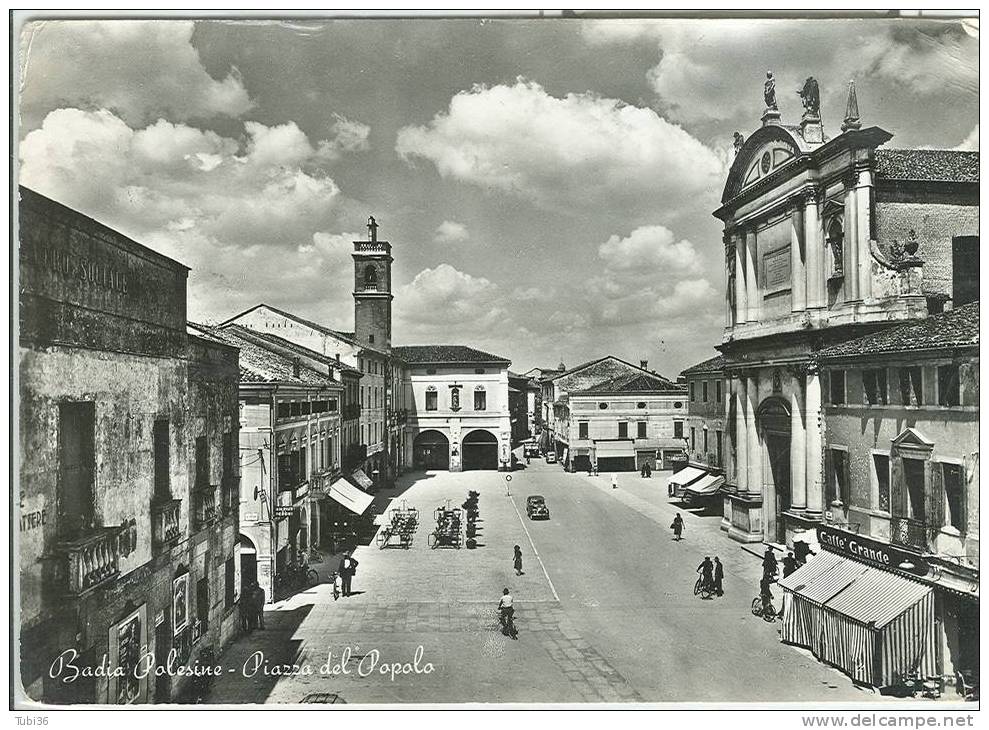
767,612
506,618
703,588
315,556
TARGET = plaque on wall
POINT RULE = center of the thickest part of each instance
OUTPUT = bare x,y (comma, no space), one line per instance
776,269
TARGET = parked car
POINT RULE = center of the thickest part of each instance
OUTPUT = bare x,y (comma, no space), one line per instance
531,450
550,457
535,507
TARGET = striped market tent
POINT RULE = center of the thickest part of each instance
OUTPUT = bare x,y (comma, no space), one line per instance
876,626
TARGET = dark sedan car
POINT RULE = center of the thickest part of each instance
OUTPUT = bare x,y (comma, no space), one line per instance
535,507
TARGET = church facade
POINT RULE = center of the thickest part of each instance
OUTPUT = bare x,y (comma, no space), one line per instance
825,239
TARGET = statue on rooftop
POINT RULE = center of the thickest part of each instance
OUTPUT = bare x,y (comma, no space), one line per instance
769,93
810,95
738,142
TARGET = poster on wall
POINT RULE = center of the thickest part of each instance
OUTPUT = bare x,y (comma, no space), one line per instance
128,655
180,602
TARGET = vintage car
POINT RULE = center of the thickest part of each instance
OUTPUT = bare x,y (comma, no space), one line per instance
550,457
535,507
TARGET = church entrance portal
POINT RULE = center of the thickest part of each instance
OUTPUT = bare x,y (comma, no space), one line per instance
773,419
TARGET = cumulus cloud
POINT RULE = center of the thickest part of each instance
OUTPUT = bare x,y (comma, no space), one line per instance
649,248
971,142
250,215
705,65
138,69
451,232
564,153
444,297
649,276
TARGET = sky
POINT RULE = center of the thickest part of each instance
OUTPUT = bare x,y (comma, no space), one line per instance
546,184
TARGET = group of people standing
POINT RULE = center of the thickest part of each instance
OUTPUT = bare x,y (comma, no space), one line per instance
252,601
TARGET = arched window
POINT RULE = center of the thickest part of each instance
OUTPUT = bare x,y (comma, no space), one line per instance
370,275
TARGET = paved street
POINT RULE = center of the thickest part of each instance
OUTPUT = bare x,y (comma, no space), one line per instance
607,615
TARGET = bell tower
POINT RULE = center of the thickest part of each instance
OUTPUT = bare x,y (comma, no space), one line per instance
372,289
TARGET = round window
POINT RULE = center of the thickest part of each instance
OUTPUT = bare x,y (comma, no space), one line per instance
678,404
766,163
602,406
640,404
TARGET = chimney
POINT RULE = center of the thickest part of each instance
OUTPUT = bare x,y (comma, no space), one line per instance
296,367
338,357
644,364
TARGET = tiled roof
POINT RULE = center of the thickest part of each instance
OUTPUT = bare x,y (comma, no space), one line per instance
421,354
262,337
261,365
347,337
953,329
633,383
713,365
203,332
928,165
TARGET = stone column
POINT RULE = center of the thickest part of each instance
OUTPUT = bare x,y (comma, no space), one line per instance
863,202
741,437
814,253
751,277
815,455
754,453
741,290
798,277
850,254
798,447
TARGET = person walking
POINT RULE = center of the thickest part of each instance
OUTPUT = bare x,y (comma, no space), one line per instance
245,605
518,561
506,614
769,565
614,481
259,599
337,585
719,577
789,564
800,552
677,527
347,569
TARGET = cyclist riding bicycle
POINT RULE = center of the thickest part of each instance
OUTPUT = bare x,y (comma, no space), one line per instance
765,593
506,612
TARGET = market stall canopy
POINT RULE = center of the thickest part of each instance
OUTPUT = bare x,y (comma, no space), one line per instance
360,479
609,449
686,476
349,496
706,485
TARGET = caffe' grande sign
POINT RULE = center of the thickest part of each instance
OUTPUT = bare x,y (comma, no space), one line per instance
871,551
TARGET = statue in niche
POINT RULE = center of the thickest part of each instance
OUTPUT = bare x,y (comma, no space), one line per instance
836,239
810,95
455,398
769,92
738,142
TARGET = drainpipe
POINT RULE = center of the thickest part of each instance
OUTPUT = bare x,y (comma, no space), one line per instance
272,495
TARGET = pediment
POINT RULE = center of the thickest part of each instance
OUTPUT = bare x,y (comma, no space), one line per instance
768,149
912,437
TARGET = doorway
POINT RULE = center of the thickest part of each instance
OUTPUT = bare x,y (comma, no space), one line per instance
163,644
480,450
773,421
431,451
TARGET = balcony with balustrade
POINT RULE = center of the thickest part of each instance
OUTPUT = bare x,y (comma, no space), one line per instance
165,528
205,506
913,534
91,560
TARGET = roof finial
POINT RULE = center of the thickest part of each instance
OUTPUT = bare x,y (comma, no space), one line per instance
372,229
851,110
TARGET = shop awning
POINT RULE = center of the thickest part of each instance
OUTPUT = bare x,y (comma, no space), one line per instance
361,479
350,496
876,626
686,476
706,486
613,449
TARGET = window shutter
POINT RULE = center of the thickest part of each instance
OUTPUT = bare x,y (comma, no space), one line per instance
828,479
846,483
897,490
935,501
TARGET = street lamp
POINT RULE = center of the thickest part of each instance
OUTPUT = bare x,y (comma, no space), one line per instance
508,485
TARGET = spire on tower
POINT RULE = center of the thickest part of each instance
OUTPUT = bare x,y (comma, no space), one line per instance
852,120
372,229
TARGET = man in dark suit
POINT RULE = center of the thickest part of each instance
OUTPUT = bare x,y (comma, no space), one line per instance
348,566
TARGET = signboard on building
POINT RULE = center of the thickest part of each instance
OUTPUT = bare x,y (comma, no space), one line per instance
282,512
776,268
872,552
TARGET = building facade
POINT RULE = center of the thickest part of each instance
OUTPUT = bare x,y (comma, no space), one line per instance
630,396
290,449
624,423
458,407
901,454
128,472
825,240
705,428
